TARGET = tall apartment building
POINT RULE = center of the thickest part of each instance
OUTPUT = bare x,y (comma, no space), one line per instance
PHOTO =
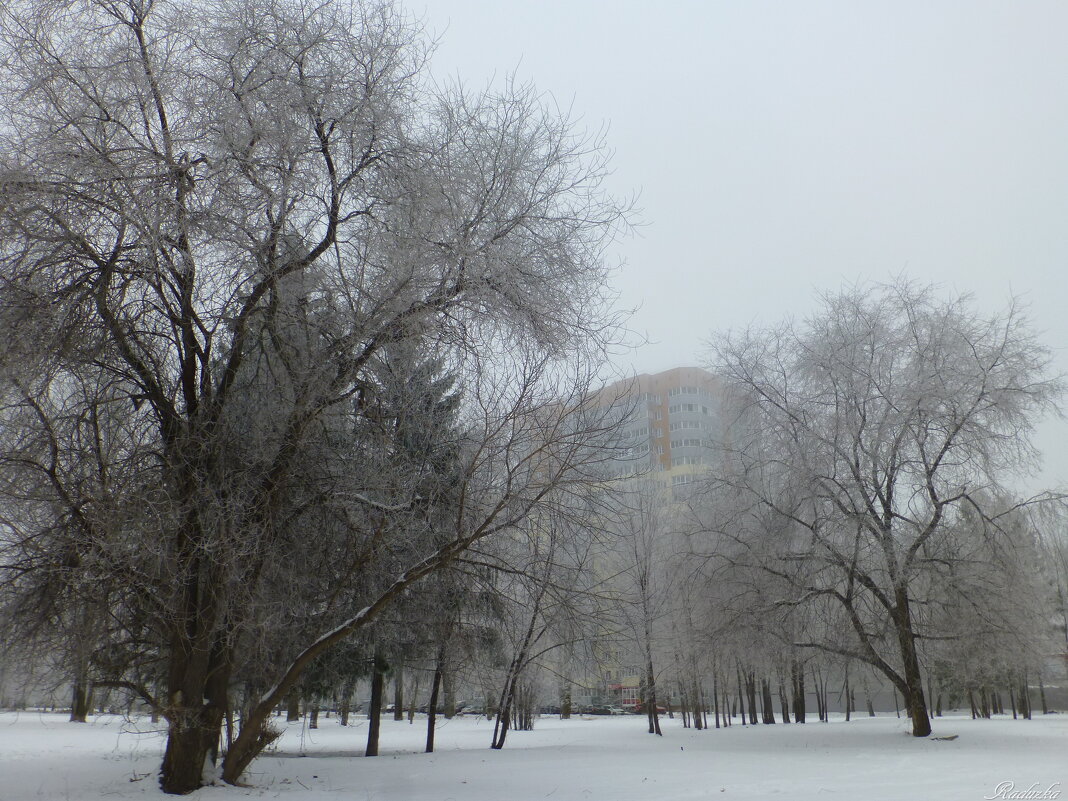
675,421
674,424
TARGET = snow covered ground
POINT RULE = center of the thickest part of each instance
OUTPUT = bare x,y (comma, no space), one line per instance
42,756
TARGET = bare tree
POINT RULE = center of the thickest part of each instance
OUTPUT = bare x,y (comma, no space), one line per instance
212,222
549,598
868,425
643,555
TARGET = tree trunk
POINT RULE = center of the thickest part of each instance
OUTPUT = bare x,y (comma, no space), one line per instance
81,702
741,693
565,703
798,672
448,688
715,694
507,698
697,708
684,706
819,681
313,716
768,703
650,675
414,694
913,689
398,690
751,696
432,708
504,710
293,705
848,696
198,683
374,712
783,703
867,699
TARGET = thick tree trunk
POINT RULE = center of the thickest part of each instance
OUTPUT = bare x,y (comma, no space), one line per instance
565,703
768,703
293,705
913,689
192,747
81,702
199,678
313,716
374,712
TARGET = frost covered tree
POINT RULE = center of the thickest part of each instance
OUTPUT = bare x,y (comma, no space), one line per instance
870,425
642,554
549,599
213,223
990,606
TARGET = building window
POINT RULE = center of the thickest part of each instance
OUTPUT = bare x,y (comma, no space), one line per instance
685,407
681,424
686,460
686,443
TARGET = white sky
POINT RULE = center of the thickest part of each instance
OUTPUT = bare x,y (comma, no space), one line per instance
780,148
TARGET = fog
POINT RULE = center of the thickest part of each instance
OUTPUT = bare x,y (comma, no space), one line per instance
782,149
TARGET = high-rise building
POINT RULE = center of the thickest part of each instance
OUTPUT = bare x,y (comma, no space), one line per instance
674,425
675,422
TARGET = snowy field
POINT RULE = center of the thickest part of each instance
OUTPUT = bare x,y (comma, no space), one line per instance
42,756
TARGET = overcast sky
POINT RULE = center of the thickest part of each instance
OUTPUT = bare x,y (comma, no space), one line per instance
783,148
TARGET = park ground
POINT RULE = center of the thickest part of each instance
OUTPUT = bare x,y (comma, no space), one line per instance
42,756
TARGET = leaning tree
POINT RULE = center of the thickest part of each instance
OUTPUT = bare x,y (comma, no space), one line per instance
214,220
